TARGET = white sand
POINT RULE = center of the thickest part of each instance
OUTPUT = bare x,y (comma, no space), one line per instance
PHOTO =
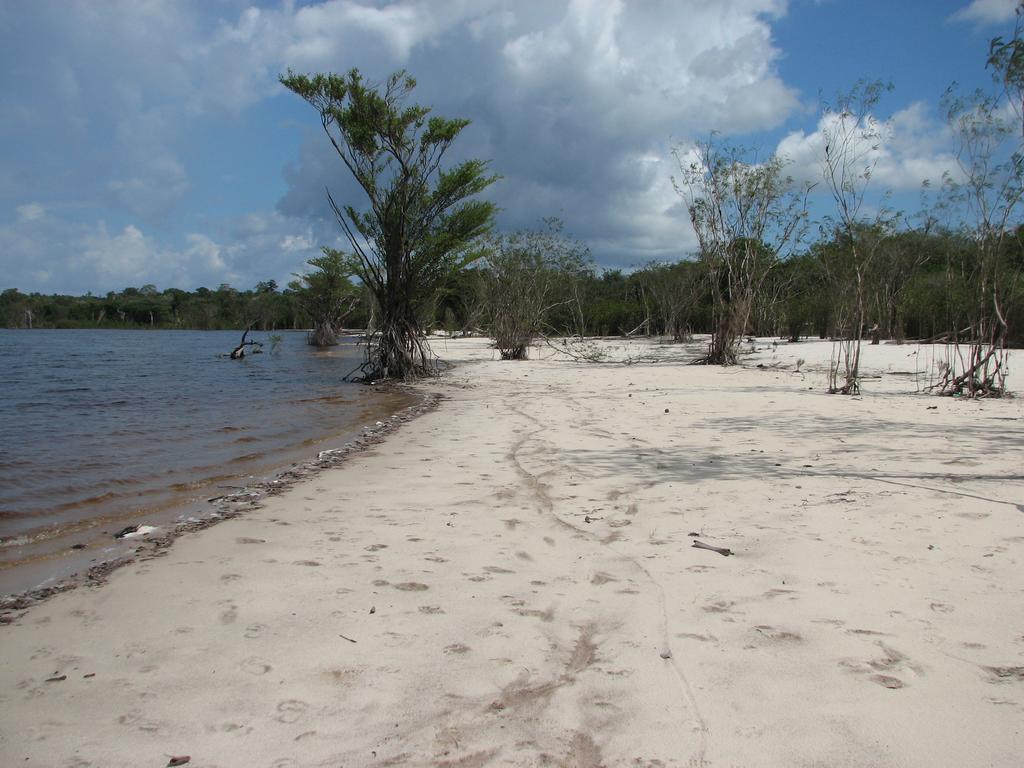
873,614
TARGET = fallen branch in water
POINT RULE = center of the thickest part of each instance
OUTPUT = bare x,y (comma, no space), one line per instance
239,351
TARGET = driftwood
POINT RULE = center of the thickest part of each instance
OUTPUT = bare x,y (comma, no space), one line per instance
128,529
631,333
239,352
720,550
944,336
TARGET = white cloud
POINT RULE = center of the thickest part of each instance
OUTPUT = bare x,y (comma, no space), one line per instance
909,149
566,97
127,256
293,243
152,184
987,12
69,257
575,102
30,212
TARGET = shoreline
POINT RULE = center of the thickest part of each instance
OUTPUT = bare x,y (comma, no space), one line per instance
225,507
513,580
148,445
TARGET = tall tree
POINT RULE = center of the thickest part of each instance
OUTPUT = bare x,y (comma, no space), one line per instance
852,138
674,291
747,216
990,156
327,294
527,274
421,223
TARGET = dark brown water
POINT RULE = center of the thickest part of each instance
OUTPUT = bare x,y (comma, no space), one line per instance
102,429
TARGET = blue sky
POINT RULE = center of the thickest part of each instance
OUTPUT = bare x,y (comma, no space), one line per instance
148,141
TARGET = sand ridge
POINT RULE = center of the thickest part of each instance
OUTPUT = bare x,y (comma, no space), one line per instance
510,580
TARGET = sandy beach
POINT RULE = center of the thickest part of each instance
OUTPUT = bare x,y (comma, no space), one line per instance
510,580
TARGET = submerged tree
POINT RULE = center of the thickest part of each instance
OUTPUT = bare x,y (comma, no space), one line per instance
327,295
420,225
747,216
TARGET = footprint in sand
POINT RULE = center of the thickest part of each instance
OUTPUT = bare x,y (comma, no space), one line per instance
777,635
229,728
411,586
887,681
230,612
719,606
254,631
698,638
291,711
87,617
136,719
773,593
1005,674
256,666
882,670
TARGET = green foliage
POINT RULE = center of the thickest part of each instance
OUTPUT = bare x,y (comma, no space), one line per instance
527,274
422,223
1006,60
201,309
327,294
671,294
988,195
748,216
925,278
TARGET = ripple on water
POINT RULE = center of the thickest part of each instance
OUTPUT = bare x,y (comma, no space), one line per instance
106,427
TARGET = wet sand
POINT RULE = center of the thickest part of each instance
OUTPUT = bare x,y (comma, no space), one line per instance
511,580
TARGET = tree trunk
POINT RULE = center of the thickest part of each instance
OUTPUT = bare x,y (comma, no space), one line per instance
323,335
398,350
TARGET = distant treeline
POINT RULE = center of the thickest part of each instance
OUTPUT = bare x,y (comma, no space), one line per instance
203,309
919,287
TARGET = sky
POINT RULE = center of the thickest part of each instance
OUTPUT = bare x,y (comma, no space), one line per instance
150,142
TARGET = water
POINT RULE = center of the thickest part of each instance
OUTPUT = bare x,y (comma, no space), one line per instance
101,429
